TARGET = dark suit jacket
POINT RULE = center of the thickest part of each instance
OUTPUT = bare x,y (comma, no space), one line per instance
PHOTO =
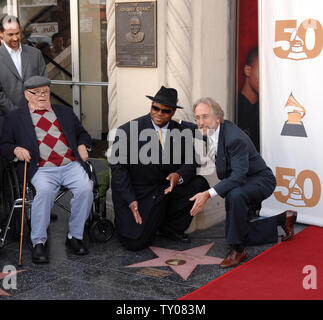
142,182
237,158
18,130
11,84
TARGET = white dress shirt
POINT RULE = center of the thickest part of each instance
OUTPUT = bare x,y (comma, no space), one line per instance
215,138
163,129
16,57
164,134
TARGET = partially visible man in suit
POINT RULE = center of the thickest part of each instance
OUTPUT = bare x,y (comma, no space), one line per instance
17,63
245,181
248,99
150,194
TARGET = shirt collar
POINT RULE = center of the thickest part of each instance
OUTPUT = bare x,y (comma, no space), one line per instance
11,51
33,109
214,136
157,128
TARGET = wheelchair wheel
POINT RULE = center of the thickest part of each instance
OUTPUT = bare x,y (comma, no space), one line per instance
101,230
11,192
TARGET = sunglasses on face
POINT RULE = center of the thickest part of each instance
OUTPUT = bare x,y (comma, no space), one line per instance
165,111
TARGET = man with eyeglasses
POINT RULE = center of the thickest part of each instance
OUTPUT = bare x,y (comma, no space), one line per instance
151,195
18,62
54,143
245,181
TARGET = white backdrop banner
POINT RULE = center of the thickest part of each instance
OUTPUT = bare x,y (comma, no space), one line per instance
291,105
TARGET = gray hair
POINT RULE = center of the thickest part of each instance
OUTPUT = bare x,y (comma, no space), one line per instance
215,107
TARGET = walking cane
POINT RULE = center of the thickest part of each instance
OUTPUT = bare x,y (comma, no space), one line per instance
22,214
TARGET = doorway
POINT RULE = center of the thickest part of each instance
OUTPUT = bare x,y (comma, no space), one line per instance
72,38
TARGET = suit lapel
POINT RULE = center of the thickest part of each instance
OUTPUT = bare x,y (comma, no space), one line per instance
27,122
63,121
24,62
8,62
220,159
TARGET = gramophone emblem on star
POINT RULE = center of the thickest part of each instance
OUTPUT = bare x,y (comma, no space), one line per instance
295,113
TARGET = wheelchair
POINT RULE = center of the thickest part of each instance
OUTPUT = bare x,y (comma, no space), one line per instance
99,228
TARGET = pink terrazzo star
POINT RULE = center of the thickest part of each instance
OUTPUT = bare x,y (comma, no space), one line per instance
4,275
192,258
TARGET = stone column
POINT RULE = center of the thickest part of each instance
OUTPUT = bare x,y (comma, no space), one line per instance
112,88
179,54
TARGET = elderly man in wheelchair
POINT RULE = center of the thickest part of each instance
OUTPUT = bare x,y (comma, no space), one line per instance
51,139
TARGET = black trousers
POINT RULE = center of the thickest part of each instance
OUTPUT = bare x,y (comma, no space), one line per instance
240,203
171,214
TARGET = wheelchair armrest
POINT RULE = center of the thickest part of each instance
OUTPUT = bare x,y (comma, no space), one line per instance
93,176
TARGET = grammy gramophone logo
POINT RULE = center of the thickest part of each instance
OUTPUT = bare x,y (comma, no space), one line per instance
296,41
295,113
298,189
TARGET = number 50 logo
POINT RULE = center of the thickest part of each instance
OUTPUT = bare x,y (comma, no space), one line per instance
303,190
304,42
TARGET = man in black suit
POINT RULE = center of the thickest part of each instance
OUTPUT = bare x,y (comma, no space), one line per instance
151,190
245,181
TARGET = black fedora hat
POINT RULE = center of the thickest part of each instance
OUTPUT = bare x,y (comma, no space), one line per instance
167,97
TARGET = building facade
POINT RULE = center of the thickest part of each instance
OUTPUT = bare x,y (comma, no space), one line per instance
194,51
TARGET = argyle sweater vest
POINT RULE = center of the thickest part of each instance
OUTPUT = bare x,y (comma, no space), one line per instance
53,147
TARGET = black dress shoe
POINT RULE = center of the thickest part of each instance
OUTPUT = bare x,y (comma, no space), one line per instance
180,237
76,246
39,254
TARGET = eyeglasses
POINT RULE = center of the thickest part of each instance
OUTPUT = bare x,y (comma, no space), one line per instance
166,111
202,117
39,93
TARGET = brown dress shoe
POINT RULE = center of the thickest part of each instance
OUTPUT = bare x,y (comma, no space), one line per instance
233,258
289,225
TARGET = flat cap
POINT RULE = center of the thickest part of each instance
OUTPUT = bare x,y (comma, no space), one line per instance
35,82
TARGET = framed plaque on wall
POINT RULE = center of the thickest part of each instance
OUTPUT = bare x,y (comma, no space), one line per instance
136,34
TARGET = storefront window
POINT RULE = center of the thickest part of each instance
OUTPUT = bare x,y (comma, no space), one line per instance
72,37
93,62
46,26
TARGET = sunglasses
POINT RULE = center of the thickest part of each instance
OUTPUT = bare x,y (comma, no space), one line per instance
166,111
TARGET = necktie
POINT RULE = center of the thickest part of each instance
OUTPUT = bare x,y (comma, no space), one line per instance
211,148
160,136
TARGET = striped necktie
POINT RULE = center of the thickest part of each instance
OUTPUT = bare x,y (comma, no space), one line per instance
160,137
211,148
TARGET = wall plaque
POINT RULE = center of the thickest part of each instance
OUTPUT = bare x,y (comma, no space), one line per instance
136,34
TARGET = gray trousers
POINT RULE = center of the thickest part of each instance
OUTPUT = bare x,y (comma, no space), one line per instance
47,182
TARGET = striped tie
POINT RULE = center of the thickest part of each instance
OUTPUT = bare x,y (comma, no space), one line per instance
211,148
160,136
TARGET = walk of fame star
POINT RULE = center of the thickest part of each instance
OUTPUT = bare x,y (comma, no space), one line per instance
182,262
4,275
